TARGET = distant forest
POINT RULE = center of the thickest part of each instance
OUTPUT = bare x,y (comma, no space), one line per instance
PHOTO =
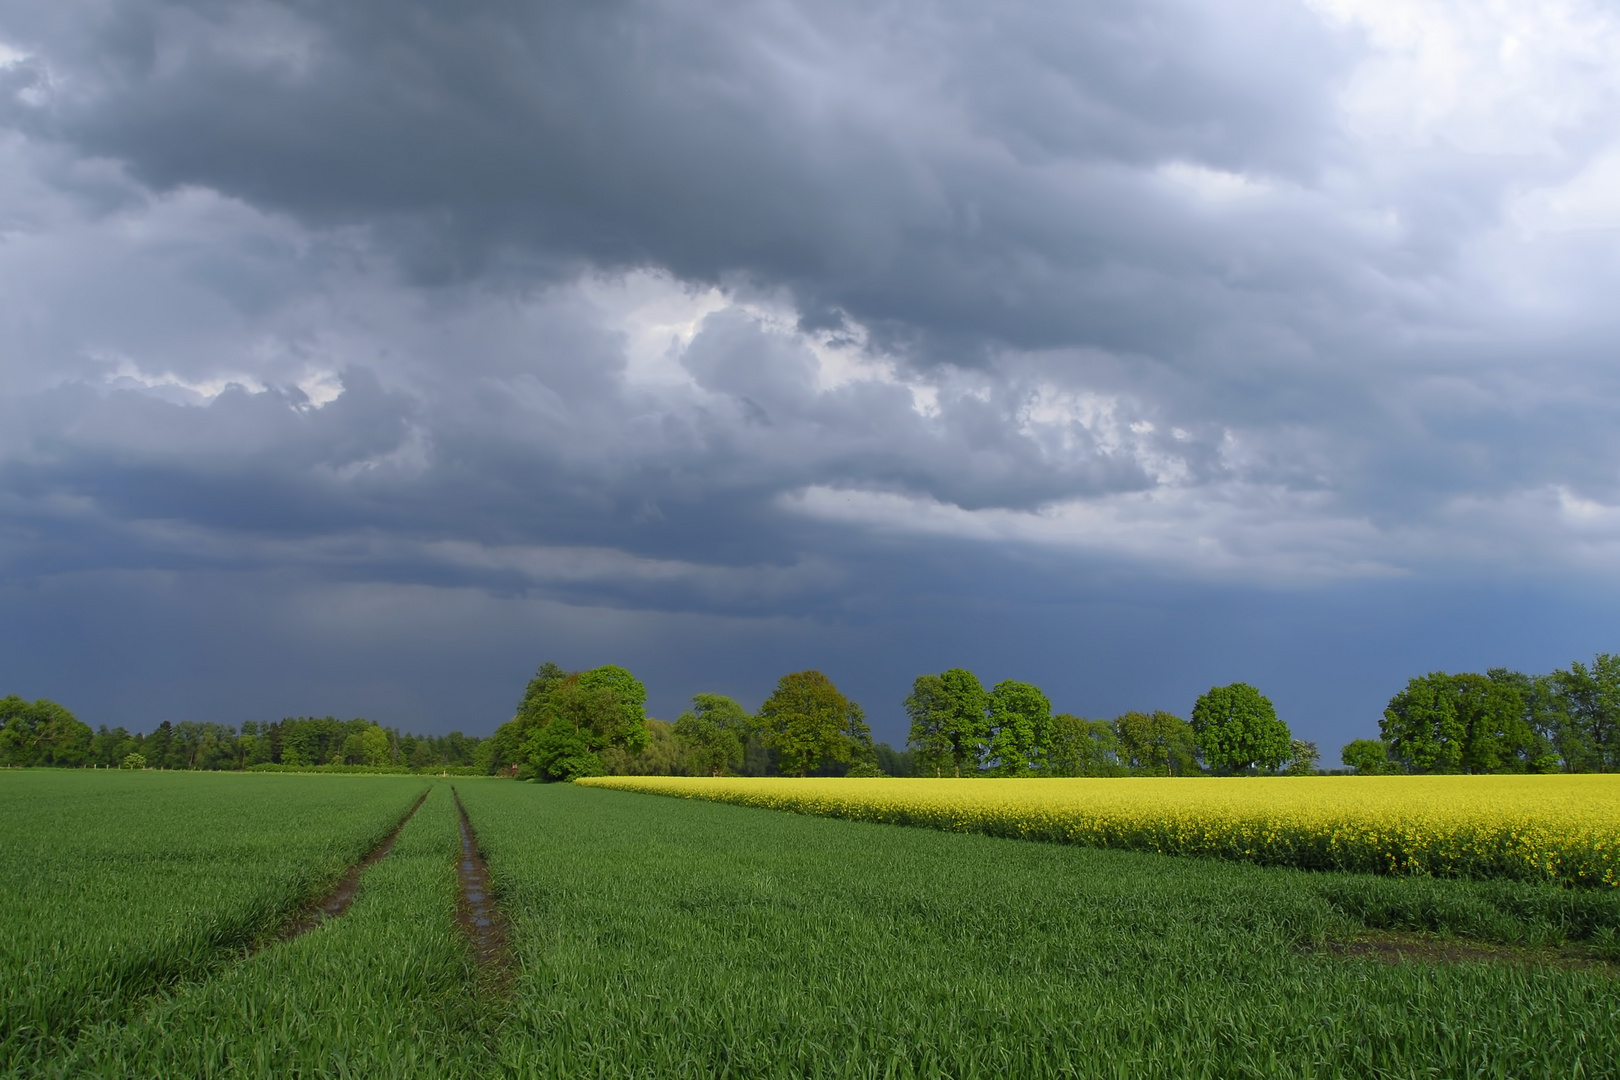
586,723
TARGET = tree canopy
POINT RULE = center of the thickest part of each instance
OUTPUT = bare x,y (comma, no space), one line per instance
1155,744
807,721
1019,716
41,733
950,721
714,730
1237,729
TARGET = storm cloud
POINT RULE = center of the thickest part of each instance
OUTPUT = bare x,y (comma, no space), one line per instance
357,357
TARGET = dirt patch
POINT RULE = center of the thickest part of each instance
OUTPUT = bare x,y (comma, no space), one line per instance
480,919
336,902
1395,947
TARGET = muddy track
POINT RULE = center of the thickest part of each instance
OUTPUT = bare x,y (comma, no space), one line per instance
482,922
337,901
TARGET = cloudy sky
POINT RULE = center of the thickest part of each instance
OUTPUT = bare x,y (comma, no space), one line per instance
356,357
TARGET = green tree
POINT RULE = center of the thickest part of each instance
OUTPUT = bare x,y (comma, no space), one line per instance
566,721
41,733
628,728
714,730
1155,744
862,754
1497,736
950,722
806,720
1422,726
1079,747
1589,733
375,746
664,755
560,751
1543,715
1368,757
1019,717
892,762
1303,758
506,745
1236,729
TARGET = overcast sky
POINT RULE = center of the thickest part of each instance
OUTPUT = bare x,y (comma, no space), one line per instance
357,357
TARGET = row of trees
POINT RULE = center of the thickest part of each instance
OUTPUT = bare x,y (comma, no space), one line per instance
958,728
591,722
45,733
1499,722
586,723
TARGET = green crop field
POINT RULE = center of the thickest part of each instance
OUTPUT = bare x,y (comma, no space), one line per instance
121,883
661,937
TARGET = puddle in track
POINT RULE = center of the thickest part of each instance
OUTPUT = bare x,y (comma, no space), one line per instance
336,902
479,918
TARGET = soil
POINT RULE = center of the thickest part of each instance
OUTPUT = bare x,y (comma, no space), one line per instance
1395,947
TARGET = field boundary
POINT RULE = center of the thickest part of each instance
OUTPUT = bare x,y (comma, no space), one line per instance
1562,830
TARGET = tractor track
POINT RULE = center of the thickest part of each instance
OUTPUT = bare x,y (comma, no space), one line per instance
480,919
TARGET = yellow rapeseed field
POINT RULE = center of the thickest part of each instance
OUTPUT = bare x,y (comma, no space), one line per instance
1558,828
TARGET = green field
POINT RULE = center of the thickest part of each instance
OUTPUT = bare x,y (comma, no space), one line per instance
659,937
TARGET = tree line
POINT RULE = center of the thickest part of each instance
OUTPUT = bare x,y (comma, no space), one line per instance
1499,722
584,723
44,733
572,724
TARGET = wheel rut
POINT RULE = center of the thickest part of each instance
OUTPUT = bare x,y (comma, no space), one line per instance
337,901
480,919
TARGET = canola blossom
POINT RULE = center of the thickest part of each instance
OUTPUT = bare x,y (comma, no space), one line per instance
1561,828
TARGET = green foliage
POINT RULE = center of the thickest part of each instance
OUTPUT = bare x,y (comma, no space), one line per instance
1368,757
1589,736
808,722
713,731
1463,723
950,722
1422,727
892,762
663,755
1236,729
1303,758
628,727
862,755
132,761
560,751
41,733
1019,717
1155,744
1079,747
568,723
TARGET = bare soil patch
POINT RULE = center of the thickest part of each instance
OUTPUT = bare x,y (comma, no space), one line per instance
1396,947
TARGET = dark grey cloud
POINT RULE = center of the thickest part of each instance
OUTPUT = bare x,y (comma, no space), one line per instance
919,331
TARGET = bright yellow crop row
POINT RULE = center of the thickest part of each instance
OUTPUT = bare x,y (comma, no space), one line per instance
1549,828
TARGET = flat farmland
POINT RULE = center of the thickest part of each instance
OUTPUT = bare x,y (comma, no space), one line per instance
648,936
119,884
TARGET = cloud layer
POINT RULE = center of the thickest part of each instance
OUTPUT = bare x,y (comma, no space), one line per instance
795,323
